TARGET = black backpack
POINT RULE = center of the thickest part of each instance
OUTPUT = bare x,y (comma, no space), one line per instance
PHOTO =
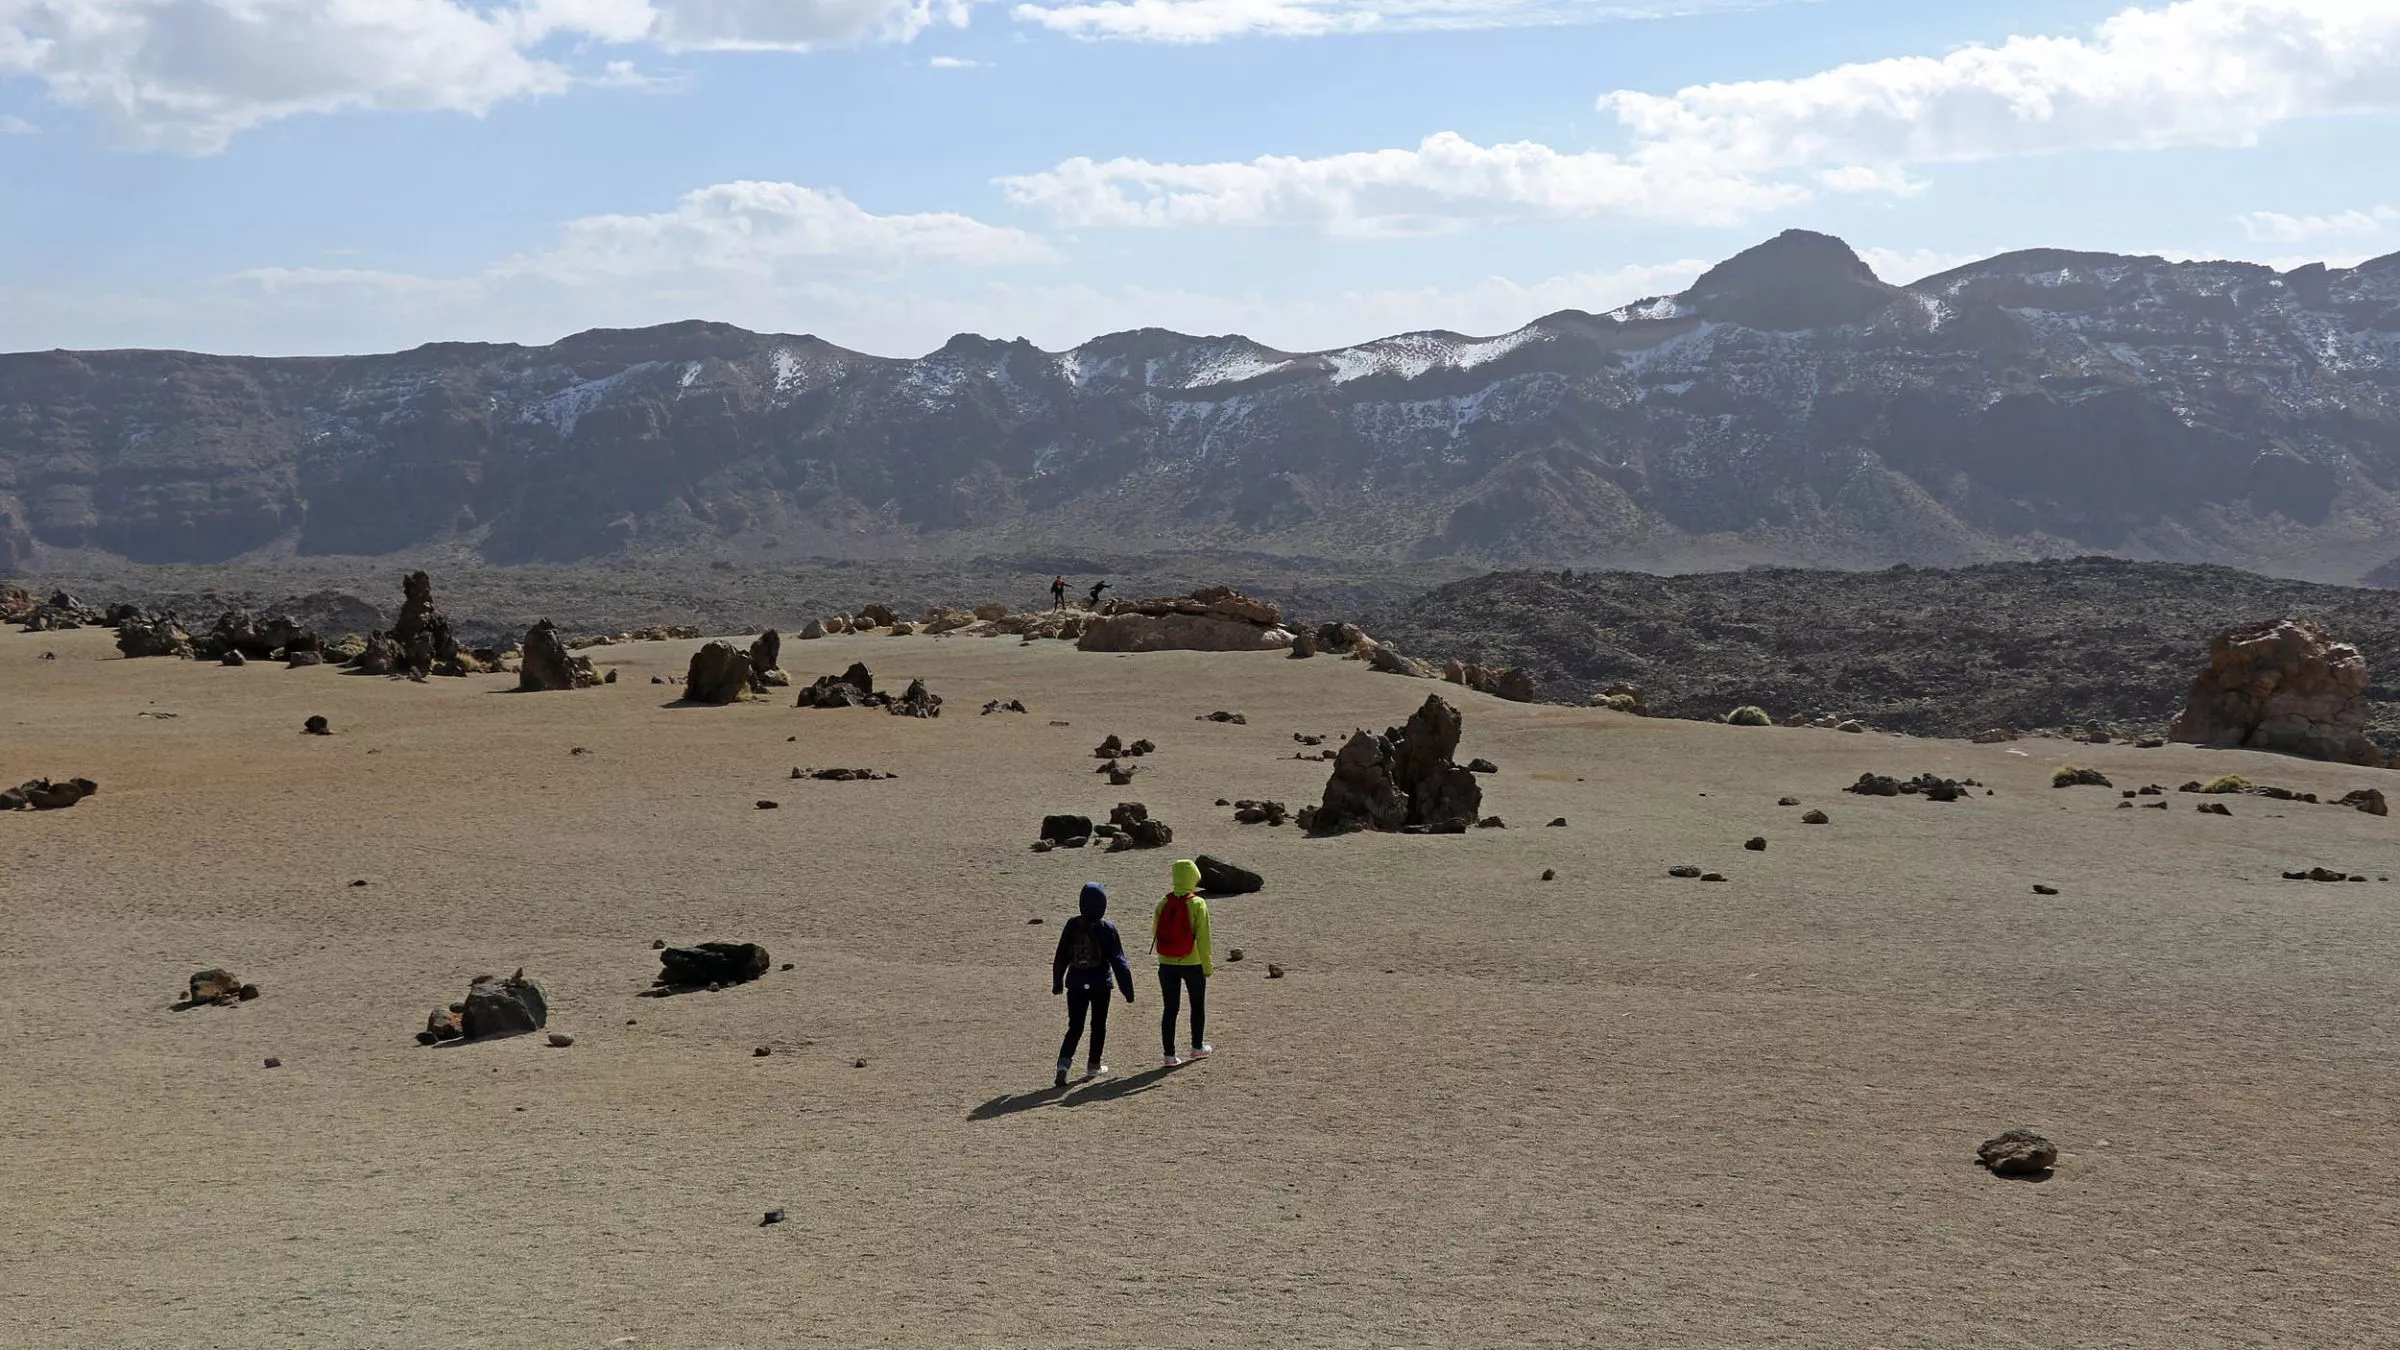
1085,950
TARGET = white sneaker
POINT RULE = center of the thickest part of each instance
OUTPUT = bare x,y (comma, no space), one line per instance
1203,1050
1173,1061
1096,1071
1061,1080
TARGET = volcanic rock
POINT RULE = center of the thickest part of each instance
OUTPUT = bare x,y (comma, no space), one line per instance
719,674
153,635
1816,818
2369,800
1060,829
221,987
547,665
712,963
1137,829
916,701
1401,780
316,726
853,688
1218,877
2016,1153
2285,686
503,1007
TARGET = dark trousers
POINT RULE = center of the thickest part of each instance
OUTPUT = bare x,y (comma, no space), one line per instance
1079,999
1172,982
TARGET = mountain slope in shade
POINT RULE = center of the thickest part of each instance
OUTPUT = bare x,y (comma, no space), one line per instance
1789,407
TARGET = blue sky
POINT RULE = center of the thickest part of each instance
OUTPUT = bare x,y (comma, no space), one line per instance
317,176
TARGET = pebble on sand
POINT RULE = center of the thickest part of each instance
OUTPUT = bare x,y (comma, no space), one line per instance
561,1039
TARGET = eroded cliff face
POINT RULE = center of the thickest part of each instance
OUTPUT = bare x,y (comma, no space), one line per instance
2035,402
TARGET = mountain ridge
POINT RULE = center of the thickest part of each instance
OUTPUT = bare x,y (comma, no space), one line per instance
1789,407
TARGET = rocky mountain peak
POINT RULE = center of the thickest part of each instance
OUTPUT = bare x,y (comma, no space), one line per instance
1798,280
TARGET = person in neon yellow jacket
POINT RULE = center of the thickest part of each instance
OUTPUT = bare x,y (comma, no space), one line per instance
1179,934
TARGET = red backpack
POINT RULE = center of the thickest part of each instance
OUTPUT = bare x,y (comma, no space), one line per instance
1174,936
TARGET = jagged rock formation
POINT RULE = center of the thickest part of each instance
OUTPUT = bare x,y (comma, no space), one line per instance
545,663
2285,686
2034,403
853,688
1498,681
1404,780
1212,619
712,963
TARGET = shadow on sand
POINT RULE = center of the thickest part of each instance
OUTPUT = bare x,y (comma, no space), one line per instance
1086,1093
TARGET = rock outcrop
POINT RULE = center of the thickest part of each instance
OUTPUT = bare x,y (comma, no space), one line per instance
719,674
1136,829
545,663
1211,619
1499,681
148,635
2286,686
853,688
41,794
494,1007
1403,780
2016,1153
766,661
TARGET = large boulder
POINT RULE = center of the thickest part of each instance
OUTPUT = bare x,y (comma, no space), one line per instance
875,616
503,1007
2287,686
1405,779
16,603
719,674
41,794
1135,828
712,963
1061,828
153,635
1219,877
2017,1153
547,665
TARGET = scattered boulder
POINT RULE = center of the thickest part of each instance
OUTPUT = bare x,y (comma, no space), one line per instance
1505,682
2287,686
1119,774
2017,1153
560,1040
547,665
442,1024
902,628
991,610
875,616
1004,705
1137,829
2215,809
2369,800
1059,829
712,963
1816,818
502,1007
1247,812
2069,776
1932,787
220,987
1110,747
1402,781
1222,716
1219,877
719,674
2040,889
1853,725
916,701
853,688
812,630
1559,823
1304,645
2318,874
1481,765
844,775
1549,874
1684,870
1388,661
41,794
316,726
1624,697
1756,843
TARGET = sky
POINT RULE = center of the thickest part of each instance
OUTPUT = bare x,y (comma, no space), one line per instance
285,177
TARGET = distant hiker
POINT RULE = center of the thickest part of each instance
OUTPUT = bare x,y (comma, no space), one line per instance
1179,934
1089,952
1097,587
1058,592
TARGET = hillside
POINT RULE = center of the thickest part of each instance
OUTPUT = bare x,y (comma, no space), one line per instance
1789,407
1937,652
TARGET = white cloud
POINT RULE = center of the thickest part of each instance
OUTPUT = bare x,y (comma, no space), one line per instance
189,75
2197,73
721,251
954,63
1444,182
2274,227
17,126
1215,20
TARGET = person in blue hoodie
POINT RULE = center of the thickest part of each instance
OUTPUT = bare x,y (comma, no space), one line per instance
1089,954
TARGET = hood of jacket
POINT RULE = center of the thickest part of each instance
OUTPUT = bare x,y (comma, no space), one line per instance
1093,901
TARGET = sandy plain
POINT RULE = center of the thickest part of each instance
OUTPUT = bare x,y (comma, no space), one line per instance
1481,1109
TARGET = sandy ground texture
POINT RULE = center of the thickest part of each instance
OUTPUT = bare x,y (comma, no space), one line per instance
1480,1110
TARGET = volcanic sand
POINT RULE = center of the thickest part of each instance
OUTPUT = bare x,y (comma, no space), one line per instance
1480,1110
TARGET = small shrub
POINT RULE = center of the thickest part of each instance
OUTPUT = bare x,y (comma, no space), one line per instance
2232,782
1749,716
2070,776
